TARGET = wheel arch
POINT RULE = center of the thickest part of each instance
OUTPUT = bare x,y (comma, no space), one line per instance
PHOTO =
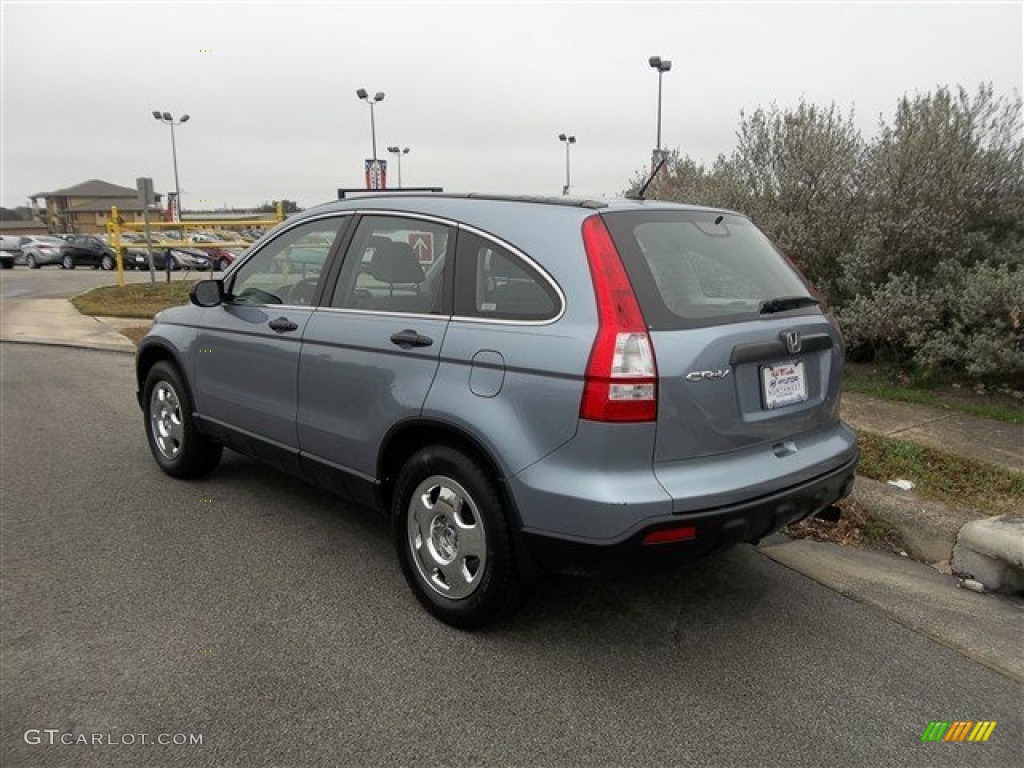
149,355
407,437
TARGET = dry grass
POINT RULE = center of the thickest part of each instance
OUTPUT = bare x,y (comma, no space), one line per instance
953,480
855,527
134,300
135,333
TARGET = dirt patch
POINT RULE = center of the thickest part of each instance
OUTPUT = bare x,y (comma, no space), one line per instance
855,528
135,333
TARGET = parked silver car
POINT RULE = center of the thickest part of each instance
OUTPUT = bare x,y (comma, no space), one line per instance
10,250
41,250
519,383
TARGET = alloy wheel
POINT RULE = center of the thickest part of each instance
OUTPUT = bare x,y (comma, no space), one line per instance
446,537
166,420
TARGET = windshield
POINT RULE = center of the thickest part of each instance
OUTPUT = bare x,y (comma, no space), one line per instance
700,267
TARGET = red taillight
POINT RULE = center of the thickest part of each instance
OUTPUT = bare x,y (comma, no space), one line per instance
621,382
668,535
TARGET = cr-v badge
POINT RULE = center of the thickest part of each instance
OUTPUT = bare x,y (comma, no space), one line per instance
707,375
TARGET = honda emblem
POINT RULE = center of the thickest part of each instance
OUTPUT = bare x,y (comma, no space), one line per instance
792,341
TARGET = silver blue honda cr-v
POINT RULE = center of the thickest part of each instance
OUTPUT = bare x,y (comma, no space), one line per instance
519,383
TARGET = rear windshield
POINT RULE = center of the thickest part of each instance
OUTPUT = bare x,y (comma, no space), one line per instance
694,268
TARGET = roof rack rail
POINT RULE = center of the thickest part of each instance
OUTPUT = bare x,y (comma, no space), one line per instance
573,202
346,192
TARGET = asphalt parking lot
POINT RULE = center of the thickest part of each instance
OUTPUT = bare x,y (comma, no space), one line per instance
264,616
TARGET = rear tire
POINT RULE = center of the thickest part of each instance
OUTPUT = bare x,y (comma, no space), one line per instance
223,265
178,446
452,538
107,263
30,262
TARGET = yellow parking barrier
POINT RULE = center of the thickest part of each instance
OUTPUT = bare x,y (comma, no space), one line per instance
115,227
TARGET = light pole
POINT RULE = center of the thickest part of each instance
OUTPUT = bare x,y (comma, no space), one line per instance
379,96
569,141
399,152
168,119
663,66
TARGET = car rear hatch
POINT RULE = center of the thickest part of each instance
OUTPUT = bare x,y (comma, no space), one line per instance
745,356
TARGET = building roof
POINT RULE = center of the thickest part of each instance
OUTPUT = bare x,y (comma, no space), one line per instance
105,203
14,225
92,188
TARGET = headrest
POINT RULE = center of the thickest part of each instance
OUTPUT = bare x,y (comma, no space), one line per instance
396,263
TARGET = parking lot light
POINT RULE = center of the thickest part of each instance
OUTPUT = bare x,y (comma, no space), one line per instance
569,140
168,119
662,66
398,152
379,96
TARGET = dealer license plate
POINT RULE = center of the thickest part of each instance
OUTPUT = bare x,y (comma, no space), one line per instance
783,384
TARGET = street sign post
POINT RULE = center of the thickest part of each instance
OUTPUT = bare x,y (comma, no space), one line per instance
144,185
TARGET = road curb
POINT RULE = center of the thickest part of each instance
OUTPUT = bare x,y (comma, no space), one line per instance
991,551
92,346
928,528
988,549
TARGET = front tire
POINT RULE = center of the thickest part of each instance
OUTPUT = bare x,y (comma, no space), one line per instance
30,262
178,446
67,263
452,538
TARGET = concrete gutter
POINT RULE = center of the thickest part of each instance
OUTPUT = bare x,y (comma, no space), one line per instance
985,628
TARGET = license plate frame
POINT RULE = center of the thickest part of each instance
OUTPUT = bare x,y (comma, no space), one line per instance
783,384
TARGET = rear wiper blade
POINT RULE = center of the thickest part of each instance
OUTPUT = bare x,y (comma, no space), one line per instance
781,304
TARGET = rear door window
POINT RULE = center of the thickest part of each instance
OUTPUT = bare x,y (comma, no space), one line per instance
693,268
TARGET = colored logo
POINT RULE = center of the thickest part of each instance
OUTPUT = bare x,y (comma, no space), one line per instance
958,730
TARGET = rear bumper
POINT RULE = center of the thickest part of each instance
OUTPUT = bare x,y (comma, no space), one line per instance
716,528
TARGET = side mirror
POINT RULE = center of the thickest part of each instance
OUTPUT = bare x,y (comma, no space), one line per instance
207,293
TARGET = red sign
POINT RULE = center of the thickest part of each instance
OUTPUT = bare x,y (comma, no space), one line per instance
172,212
422,244
376,174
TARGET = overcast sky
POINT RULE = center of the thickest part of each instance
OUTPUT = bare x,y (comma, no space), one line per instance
478,91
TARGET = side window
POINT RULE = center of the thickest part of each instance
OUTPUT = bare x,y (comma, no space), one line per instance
492,282
289,268
394,264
